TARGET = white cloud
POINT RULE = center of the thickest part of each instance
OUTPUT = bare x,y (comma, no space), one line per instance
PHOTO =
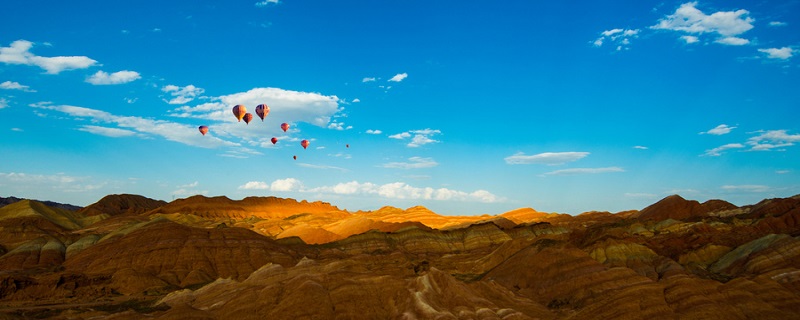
716,152
575,171
732,41
688,18
619,37
266,3
356,100
370,131
746,188
719,130
778,53
286,105
3,103
119,77
413,163
186,134
401,190
15,129
57,182
777,24
368,79
19,53
400,136
690,39
772,139
724,24
12,85
182,95
782,171
288,184
399,77
254,185
108,132
640,147
420,137
548,158
339,126
323,167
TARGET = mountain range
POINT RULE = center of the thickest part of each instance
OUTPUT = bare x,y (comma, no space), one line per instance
131,257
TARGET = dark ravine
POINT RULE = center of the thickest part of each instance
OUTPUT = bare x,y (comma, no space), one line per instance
131,257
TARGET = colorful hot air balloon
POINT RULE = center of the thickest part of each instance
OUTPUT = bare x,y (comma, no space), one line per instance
203,129
284,126
239,111
248,117
274,140
304,143
262,110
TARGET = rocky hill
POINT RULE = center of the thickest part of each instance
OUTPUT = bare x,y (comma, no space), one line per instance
129,257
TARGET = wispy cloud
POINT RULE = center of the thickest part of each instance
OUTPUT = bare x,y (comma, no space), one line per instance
401,190
548,158
418,137
19,53
576,171
171,131
399,77
320,166
266,3
413,163
772,139
60,182
119,77
3,103
108,132
12,85
777,24
732,41
778,53
370,131
719,130
716,152
368,79
746,188
640,147
620,38
182,95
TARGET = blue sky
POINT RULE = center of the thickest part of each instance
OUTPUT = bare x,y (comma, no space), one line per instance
465,107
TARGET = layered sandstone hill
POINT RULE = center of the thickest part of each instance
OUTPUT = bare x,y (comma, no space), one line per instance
256,258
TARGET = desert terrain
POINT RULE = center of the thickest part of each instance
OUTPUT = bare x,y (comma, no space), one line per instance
131,257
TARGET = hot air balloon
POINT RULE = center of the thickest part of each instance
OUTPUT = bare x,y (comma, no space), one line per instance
248,117
284,126
262,110
239,111
294,157
274,140
304,143
203,129
347,146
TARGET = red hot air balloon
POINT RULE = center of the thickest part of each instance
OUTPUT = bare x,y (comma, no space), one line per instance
284,126
248,117
262,110
274,140
304,143
203,129
239,111
294,157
